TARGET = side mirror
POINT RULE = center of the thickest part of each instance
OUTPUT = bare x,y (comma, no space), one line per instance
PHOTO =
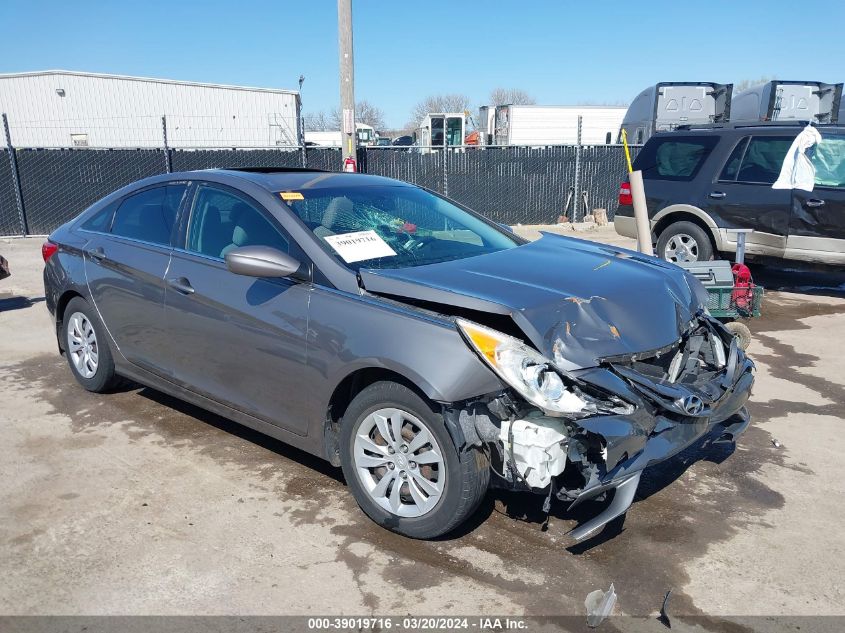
261,261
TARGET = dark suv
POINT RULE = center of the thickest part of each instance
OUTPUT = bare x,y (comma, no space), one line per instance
701,183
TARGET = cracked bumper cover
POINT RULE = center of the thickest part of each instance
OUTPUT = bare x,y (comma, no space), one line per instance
652,434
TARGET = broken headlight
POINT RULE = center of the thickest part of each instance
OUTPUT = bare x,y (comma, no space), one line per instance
530,373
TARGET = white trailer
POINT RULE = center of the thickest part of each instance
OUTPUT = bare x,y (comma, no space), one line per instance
556,125
60,108
668,104
788,100
334,138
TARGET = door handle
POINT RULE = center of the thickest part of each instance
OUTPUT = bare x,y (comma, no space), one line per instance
180,284
97,254
718,194
813,203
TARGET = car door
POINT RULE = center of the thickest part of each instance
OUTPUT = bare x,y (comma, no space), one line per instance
238,340
741,197
817,224
126,260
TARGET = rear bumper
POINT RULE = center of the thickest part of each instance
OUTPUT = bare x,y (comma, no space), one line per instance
625,226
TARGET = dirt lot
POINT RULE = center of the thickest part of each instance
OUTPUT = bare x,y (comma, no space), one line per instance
134,503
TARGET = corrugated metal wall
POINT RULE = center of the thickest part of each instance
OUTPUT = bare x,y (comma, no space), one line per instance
51,110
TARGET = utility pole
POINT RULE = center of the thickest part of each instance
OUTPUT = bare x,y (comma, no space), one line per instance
349,138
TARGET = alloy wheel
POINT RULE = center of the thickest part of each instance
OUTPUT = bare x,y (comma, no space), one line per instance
681,248
399,462
82,345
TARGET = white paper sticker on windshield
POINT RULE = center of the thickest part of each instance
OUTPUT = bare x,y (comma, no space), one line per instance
358,246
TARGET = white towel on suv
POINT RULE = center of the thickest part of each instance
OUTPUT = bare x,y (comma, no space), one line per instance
797,171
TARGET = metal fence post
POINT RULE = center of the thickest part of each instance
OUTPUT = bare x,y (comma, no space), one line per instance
445,170
13,163
167,162
576,206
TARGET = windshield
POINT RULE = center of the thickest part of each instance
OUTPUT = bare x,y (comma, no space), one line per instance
393,226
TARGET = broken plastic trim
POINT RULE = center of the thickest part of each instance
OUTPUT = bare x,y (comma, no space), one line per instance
622,500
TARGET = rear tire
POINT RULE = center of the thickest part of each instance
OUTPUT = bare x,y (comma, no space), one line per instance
684,242
86,347
416,483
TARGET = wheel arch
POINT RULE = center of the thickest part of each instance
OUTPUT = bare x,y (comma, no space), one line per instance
689,213
61,305
351,385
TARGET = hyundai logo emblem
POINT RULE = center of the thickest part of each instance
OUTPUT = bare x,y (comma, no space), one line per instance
693,405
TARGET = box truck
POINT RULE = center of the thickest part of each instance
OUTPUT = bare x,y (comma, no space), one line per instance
554,125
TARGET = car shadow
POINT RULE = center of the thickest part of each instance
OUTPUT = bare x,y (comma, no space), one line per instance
528,508
239,430
15,302
517,506
829,282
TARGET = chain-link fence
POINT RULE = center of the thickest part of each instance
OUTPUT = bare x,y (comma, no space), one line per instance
57,184
513,185
10,217
188,160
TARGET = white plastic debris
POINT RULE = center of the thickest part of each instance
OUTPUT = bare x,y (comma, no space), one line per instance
537,448
599,605
775,443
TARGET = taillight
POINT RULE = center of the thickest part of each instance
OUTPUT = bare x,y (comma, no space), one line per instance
625,197
48,249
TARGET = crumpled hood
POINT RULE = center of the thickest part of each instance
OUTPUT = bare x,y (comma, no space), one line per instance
577,301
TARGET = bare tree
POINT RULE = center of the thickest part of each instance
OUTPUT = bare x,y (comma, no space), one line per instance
510,96
365,112
315,121
369,114
438,103
745,84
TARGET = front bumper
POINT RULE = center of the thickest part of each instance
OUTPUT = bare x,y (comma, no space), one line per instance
625,478
656,429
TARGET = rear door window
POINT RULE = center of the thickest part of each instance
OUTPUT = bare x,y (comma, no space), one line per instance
731,169
149,215
763,159
675,157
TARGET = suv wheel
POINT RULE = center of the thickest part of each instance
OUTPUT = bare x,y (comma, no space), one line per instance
86,347
684,242
401,465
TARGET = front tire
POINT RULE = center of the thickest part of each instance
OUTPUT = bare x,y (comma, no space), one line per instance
684,242
86,348
741,332
402,466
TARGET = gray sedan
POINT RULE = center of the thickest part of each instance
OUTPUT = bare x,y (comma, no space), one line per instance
423,348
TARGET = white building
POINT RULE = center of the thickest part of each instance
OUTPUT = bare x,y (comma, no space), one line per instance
59,108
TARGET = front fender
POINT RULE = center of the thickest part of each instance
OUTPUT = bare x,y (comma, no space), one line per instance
348,333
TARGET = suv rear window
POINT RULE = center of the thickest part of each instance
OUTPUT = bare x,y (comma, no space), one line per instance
674,158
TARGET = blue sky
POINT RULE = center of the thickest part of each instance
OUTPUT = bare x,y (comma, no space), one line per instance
560,52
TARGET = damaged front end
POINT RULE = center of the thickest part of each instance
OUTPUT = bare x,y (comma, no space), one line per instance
578,434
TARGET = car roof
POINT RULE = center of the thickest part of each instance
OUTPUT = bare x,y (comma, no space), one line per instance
289,178
756,128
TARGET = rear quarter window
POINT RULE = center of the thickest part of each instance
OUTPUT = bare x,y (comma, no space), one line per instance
676,158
